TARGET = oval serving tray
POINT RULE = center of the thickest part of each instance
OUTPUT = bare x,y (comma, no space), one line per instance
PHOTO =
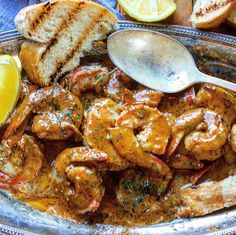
213,53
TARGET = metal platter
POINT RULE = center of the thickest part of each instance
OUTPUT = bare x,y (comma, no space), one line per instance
214,54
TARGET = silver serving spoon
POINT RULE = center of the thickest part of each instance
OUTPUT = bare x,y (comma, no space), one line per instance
157,61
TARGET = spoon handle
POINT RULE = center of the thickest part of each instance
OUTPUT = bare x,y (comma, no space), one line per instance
216,81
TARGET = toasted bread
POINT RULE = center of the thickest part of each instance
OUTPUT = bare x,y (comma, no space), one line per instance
208,197
65,30
231,20
211,13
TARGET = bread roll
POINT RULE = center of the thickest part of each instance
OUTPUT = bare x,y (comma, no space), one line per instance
211,13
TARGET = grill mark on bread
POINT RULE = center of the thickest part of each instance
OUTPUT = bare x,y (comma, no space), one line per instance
78,46
63,26
213,7
41,16
40,70
52,42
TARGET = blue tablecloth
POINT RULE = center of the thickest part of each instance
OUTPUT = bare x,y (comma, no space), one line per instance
9,8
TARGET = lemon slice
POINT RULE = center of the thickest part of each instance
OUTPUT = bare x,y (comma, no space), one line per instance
148,10
9,86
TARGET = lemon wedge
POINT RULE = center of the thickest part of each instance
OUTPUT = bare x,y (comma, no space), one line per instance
148,10
10,78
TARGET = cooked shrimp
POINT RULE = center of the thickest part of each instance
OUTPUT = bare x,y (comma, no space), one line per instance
205,131
123,89
76,173
60,114
183,162
152,124
177,104
200,174
128,146
230,154
102,115
176,138
208,197
85,78
137,191
218,100
233,137
26,89
170,118
20,161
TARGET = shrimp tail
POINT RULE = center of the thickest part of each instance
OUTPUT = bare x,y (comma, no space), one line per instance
197,176
4,181
4,185
17,180
18,118
161,166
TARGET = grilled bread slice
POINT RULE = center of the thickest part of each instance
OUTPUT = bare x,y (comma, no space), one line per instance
208,197
211,13
65,31
231,20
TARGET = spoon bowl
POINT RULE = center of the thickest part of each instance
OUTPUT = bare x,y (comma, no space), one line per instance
157,61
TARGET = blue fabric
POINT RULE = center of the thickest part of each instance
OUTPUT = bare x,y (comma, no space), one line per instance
110,4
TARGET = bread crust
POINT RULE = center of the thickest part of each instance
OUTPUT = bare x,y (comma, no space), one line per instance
23,17
213,16
30,56
208,197
231,20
